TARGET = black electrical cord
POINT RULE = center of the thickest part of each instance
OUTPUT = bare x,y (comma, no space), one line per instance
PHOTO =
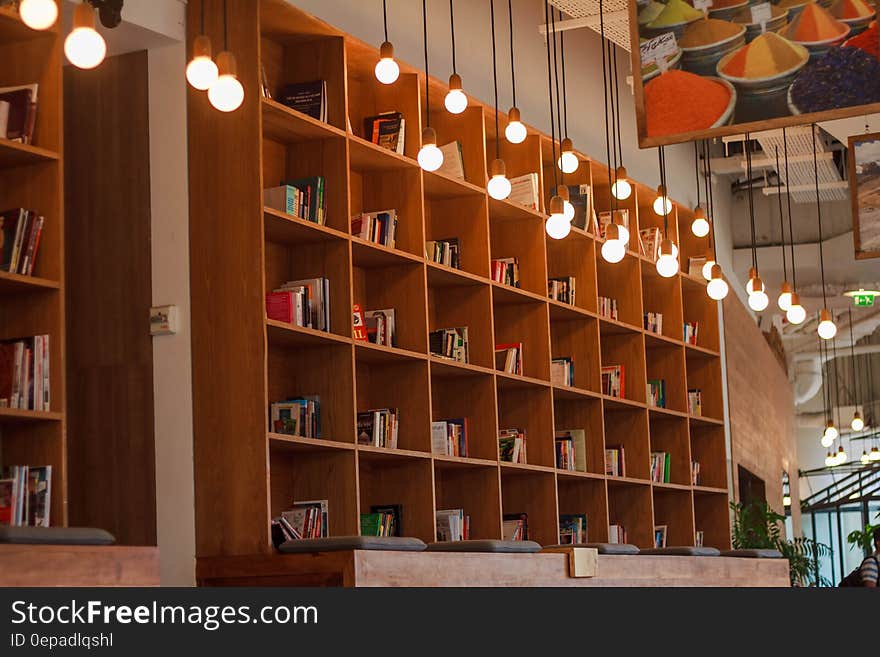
384,19
452,31
819,211
494,78
751,202
225,27
781,217
512,65
564,90
852,355
427,77
662,156
697,171
550,93
788,204
605,88
710,194
616,77
559,100
614,108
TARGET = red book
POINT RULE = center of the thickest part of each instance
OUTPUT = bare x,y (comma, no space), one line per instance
359,327
280,307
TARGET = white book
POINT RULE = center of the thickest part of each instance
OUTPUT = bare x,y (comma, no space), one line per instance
439,442
524,190
4,118
453,164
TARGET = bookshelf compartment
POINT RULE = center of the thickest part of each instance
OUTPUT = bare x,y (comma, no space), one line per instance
622,282
467,128
708,448
674,509
700,309
690,245
401,287
325,371
603,202
670,434
629,429
294,262
36,439
644,197
583,414
464,218
471,397
465,306
525,323
578,340
704,374
628,351
529,408
317,474
532,493
290,55
712,517
409,482
522,239
36,61
519,159
577,496
376,190
402,385
666,363
367,97
662,296
473,488
630,505
575,258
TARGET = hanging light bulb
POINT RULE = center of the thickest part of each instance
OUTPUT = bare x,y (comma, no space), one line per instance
499,185
515,132
84,47
226,94
842,456
623,233
700,225
568,208
753,276
568,161
786,500
667,263
456,102
621,189
784,300
38,14
717,288
430,157
662,205
826,440
830,461
613,249
796,314
758,300
387,70
827,328
864,459
201,72
557,226
831,431
857,423
875,454
707,266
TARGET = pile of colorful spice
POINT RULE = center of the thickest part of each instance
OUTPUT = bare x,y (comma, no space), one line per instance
844,77
867,41
815,25
769,55
744,16
847,10
676,12
678,101
650,12
708,32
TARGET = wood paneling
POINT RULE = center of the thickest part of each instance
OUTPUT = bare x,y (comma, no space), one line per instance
75,565
110,352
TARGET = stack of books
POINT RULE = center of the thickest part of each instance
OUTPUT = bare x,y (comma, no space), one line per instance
524,191
608,308
453,161
695,402
509,358
573,529
303,198
562,372
445,252
450,437
616,534
387,130
649,243
378,427
310,98
25,495
451,343
659,536
376,227
506,271
696,477
699,537
20,232
654,323
381,521
657,393
571,450
304,303
381,327
306,519
24,374
661,462
512,445
453,525
615,461
515,527
300,416
562,289
622,216
613,381
690,332
18,112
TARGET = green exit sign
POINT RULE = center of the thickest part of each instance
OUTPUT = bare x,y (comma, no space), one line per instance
863,300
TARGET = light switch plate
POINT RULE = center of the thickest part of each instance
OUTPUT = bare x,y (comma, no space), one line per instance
163,320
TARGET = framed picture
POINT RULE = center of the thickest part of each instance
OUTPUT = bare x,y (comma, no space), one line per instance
709,68
864,189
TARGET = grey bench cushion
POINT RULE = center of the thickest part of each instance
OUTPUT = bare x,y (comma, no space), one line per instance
683,551
753,554
339,543
485,545
56,536
613,548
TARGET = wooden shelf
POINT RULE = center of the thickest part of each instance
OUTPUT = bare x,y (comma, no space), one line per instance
286,125
10,415
16,283
287,229
291,335
13,154
301,444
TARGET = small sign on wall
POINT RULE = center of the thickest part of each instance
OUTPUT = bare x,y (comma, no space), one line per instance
163,320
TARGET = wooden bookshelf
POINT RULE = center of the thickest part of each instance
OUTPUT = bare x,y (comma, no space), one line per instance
242,362
31,176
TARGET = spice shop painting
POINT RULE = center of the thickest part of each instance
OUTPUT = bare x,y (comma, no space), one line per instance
719,67
864,182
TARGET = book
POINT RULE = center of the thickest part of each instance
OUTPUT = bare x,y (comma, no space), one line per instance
309,519
377,227
303,303
450,437
310,98
649,243
445,252
22,113
571,450
657,393
613,381
4,118
310,200
24,373
453,161
695,265
358,324
392,516
696,477
512,446
451,343
387,130
20,232
515,527
562,289
452,525
505,271
659,536
509,358
654,323
562,372
381,521
378,427
615,461
691,331
300,416
661,462
39,491
524,190
695,402
699,537
608,308
25,496
265,88
616,534
622,216
579,197
572,528
381,326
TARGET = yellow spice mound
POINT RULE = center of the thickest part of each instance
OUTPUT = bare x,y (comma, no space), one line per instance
676,12
766,56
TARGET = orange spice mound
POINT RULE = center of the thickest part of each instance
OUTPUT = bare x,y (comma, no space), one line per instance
678,101
813,24
851,9
766,56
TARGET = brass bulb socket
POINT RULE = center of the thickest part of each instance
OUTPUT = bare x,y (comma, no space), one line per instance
825,316
562,191
455,82
226,64
84,16
785,288
795,299
757,284
202,47
514,115
386,51
666,247
699,213
620,173
567,146
612,232
557,205
497,168
429,136
716,272
753,273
